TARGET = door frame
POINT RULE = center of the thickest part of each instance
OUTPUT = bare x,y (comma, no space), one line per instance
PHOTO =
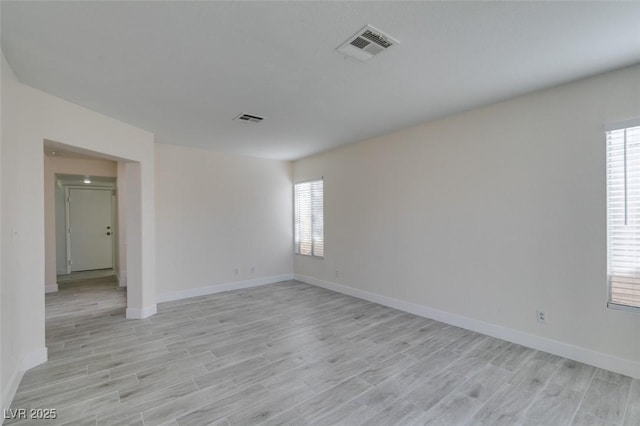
67,221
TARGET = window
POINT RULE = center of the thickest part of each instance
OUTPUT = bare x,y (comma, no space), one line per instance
623,217
309,218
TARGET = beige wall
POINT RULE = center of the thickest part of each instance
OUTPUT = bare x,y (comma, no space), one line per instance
54,240
487,216
216,213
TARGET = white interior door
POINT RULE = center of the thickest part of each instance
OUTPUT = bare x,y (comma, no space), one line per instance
90,229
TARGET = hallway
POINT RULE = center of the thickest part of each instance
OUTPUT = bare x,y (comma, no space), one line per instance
94,293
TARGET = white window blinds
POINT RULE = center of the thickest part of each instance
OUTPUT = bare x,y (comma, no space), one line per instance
623,216
309,218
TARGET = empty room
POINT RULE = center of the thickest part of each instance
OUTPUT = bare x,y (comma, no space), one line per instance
320,213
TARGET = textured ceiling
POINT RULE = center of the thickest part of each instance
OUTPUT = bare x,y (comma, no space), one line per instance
184,70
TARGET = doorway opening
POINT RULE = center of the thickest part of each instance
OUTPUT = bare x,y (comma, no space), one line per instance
135,260
86,224
84,256
89,228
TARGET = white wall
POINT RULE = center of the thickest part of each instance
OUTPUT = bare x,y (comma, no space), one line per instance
4,392
55,238
73,125
22,236
218,212
28,118
484,217
121,228
60,237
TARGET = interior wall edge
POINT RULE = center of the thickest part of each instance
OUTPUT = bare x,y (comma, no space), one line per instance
121,277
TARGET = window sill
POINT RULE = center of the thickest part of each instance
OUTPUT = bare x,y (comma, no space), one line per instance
310,256
625,308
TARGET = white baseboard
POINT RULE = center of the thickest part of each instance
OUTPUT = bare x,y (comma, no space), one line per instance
51,288
218,288
29,361
12,388
566,350
122,278
34,358
146,312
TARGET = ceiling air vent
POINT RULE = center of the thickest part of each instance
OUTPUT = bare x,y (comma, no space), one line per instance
366,43
248,118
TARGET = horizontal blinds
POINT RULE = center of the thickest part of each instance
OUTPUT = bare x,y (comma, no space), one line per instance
317,219
623,216
309,218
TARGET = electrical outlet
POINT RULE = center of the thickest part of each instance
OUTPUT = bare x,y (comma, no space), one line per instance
541,316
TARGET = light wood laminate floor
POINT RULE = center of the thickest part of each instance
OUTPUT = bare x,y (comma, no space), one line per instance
295,354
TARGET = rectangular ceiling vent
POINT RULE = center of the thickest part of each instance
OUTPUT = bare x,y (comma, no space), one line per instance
366,43
248,118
